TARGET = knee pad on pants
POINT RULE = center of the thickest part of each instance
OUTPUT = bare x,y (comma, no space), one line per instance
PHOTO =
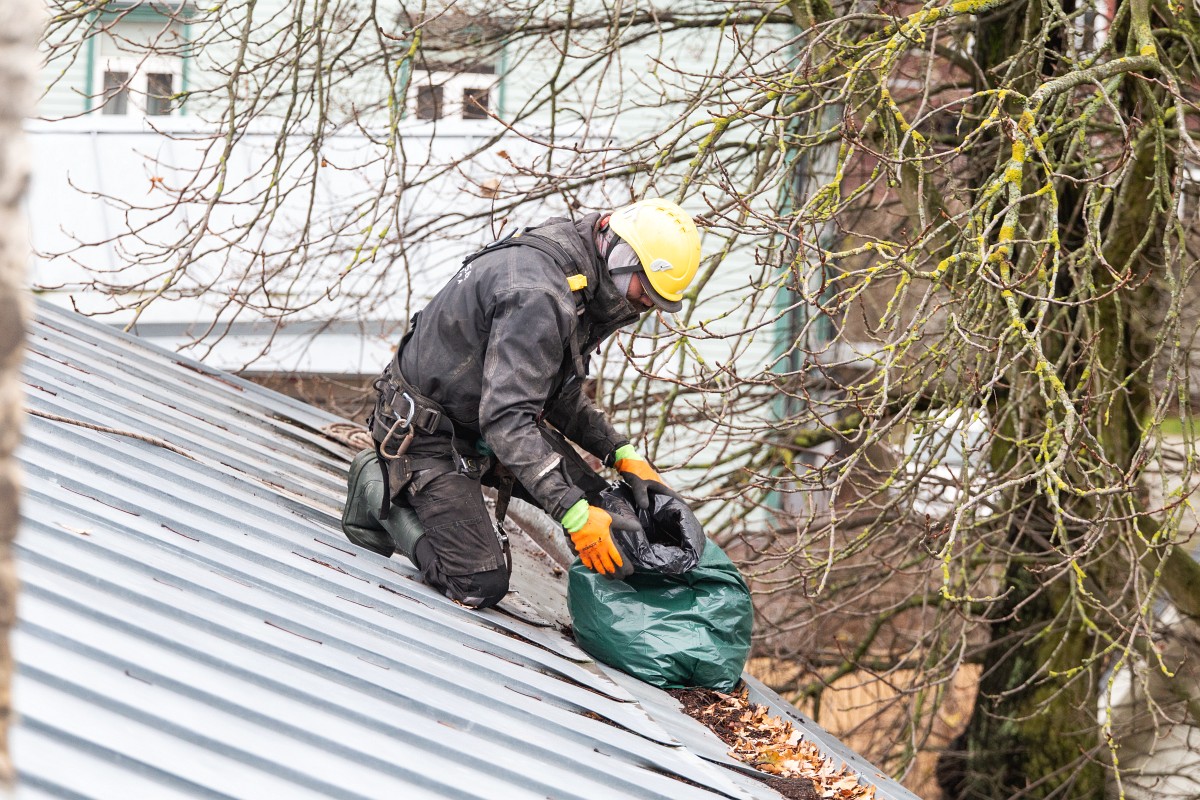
477,590
480,590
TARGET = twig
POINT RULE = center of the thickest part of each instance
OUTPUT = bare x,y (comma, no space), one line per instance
103,429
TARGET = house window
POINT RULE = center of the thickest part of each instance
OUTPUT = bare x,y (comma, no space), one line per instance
116,92
158,93
429,102
453,91
475,103
151,93
138,61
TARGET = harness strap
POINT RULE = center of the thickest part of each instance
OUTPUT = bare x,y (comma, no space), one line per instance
411,410
504,492
505,481
500,532
385,505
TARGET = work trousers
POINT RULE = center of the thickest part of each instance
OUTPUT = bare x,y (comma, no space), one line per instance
462,553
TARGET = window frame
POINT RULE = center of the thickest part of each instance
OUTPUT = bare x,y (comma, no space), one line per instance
455,85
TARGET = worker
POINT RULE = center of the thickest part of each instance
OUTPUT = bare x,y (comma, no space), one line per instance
486,388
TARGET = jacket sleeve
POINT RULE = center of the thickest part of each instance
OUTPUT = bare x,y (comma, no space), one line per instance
524,356
577,417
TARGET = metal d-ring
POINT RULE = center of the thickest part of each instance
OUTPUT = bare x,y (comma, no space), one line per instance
401,424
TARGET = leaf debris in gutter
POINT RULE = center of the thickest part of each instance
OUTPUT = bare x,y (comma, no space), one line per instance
771,745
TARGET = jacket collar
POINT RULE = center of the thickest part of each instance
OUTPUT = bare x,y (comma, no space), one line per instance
607,308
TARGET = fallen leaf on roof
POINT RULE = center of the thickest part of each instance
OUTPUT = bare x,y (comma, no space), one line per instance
771,744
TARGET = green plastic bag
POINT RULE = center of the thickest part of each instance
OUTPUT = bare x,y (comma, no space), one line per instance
672,631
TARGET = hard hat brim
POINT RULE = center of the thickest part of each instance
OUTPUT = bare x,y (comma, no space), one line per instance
670,306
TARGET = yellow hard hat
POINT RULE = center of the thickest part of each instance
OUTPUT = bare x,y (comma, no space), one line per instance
666,242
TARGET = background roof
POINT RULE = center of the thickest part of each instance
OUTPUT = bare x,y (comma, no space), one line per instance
193,624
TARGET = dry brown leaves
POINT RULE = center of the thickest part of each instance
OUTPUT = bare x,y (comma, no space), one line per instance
771,744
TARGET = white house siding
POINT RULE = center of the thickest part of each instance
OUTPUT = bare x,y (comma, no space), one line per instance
61,86
120,158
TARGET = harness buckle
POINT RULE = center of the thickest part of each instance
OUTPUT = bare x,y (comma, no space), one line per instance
430,420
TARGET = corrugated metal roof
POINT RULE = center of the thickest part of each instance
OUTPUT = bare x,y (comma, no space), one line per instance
196,626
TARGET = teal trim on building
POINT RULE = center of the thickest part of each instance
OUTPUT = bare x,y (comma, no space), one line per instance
90,72
404,78
150,11
502,74
790,325
186,60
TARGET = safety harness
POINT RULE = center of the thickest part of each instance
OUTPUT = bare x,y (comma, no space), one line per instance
403,411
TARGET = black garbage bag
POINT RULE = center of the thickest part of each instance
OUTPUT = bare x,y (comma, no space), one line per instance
671,541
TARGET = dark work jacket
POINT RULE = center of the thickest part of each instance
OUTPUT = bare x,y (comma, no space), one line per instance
493,348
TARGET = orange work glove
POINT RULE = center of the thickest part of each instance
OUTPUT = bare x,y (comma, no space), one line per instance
641,478
594,542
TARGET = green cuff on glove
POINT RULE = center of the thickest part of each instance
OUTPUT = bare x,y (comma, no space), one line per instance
626,451
575,517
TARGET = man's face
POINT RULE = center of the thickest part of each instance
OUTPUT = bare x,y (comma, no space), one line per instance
637,294
622,261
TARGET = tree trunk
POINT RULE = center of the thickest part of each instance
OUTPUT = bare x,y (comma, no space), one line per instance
20,22
1027,735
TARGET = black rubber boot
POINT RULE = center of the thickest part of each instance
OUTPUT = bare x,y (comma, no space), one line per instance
405,530
364,496
360,519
